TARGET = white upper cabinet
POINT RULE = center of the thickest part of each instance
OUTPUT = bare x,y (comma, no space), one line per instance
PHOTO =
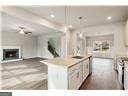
126,31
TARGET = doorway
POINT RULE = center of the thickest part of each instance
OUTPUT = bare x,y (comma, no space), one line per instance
100,46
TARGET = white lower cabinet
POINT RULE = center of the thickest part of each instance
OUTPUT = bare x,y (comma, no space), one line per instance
85,69
77,74
57,77
72,77
75,78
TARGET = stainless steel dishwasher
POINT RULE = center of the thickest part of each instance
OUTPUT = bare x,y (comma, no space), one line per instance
120,70
120,75
126,75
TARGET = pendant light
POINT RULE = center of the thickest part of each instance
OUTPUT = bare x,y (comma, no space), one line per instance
65,28
80,33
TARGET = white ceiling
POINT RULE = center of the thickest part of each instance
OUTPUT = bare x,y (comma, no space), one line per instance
11,24
45,11
93,15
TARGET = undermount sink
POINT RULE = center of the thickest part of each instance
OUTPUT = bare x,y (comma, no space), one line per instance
77,57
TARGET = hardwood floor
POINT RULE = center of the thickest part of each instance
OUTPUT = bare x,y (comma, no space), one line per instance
30,74
103,76
27,74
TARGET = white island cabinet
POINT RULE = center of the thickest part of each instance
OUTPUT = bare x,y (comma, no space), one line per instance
75,76
67,73
86,68
57,77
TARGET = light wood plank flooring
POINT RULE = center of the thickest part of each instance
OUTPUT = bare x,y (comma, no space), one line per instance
27,74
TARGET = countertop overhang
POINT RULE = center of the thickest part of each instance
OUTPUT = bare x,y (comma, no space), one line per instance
64,62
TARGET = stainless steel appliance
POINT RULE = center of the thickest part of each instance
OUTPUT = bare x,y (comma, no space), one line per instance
126,75
90,65
120,70
120,66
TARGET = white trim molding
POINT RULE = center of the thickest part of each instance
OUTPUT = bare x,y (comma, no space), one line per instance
11,47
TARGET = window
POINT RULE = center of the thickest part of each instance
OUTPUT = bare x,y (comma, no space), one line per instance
101,46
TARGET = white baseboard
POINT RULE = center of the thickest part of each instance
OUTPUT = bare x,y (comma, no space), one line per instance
5,61
29,57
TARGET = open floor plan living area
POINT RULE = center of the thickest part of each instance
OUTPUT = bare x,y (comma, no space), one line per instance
64,47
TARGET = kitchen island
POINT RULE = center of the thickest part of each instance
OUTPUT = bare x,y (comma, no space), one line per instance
69,72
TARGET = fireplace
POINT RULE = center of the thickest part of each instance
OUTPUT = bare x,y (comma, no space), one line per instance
10,54
5,93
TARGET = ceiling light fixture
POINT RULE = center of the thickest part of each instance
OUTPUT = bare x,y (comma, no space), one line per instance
21,30
80,33
70,26
109,18
65,20
52,16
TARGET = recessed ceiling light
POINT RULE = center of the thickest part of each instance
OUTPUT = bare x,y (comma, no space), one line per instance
109,18
65,28
70,26
52,16
80,35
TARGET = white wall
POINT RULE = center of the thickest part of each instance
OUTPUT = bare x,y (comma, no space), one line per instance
0,37
106,54
118,29
42,47
63,46
31,46
76,41
42,50
56,43
126,35
0,51
27,43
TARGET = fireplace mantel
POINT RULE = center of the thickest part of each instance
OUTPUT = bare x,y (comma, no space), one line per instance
11,47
